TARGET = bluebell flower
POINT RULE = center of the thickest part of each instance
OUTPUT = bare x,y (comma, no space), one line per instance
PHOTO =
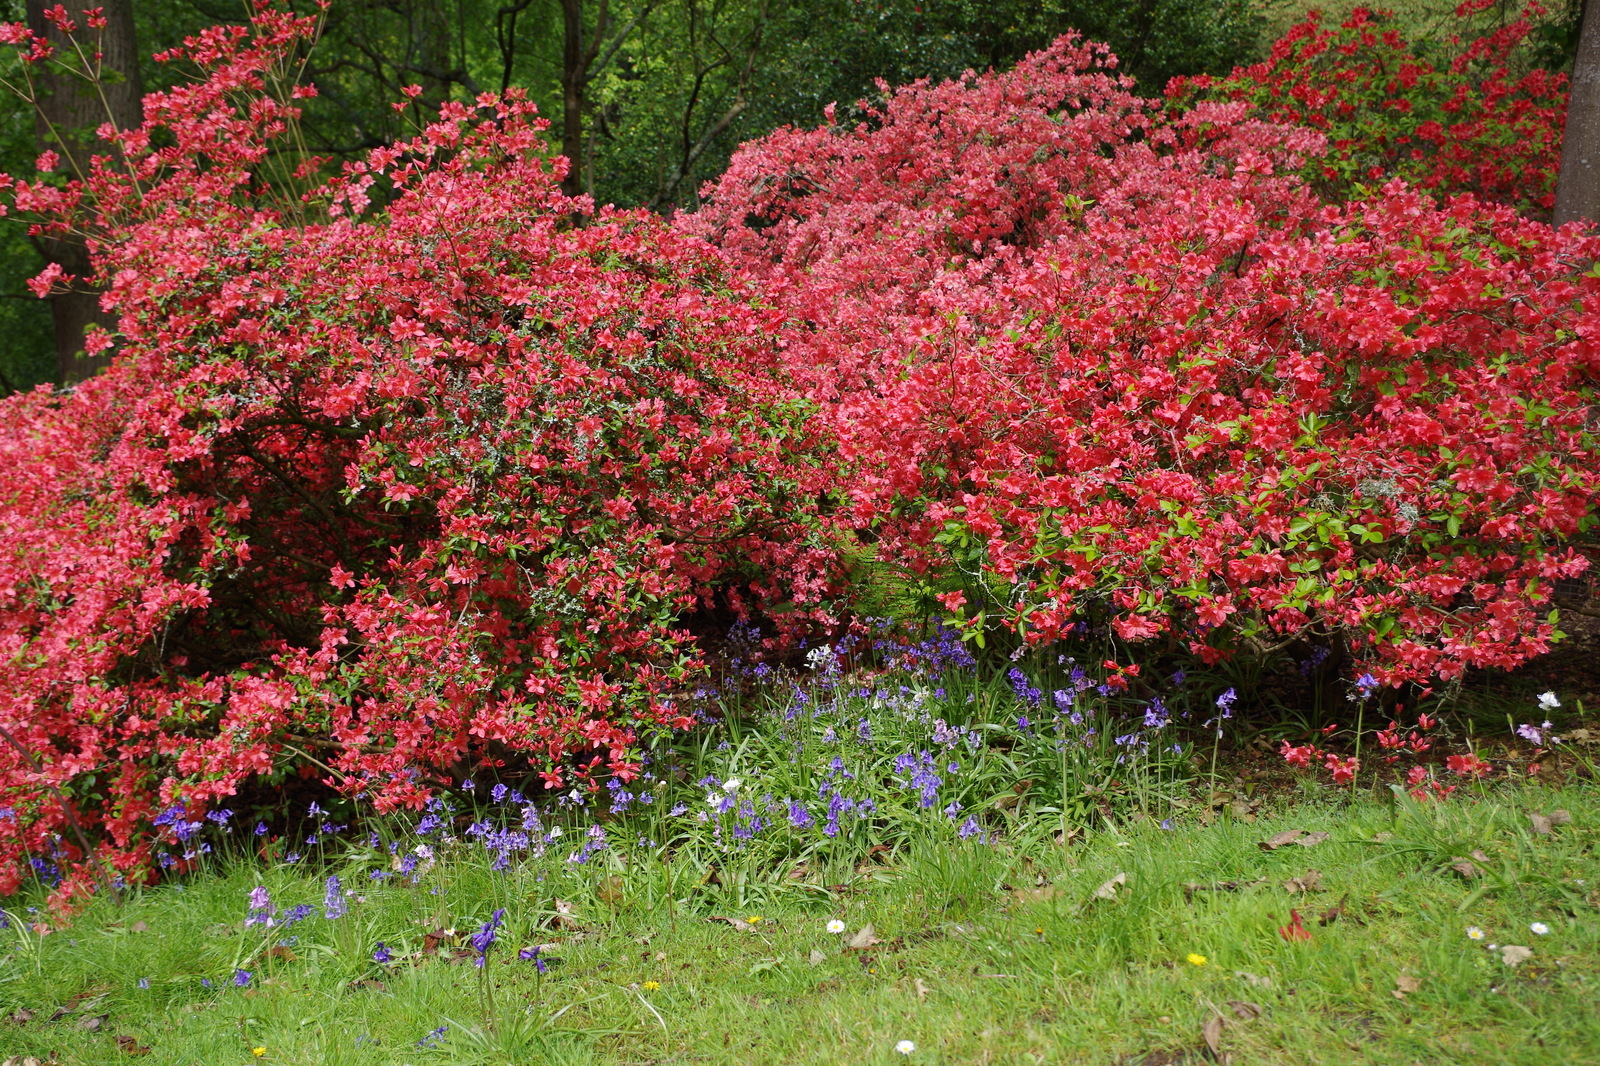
382,954
333,901
241,978
483,939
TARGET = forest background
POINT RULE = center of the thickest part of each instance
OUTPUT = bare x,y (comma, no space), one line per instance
652,96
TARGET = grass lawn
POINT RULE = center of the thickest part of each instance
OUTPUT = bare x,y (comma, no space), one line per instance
1133,946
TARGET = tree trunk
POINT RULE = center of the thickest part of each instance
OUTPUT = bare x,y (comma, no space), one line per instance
1578,184
578,66
70,110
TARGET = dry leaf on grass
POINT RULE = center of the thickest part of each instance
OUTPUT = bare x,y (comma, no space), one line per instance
1212,1032
1515,954
817,957
1278,840
864,938
1291,836
22,1016
738,923
130,1045
1465,867
1035,895
920,987
1544,823
564,917
1405,983
1109,889
1310,881
1244,1010
93,1022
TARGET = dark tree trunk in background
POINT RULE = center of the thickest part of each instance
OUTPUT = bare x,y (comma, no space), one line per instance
1578,184
70,110
577,56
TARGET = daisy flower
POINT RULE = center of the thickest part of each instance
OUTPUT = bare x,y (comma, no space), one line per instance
1539,928
835,926
1474,933
905,1047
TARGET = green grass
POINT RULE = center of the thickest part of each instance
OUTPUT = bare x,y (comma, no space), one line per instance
986,954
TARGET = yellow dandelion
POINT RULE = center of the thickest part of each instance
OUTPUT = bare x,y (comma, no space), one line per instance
1196,959
258,1051
651,986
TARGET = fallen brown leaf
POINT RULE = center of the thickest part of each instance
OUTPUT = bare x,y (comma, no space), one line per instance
1405,983
1466,867
279,951
1245,1010
1109,889
138,927
1333,913
1212,1032
1035,895
864,938
1310,881
738,923
610,889
1278,840
93,1022
22,1016
817,957
564,917
1311,840
1515,954
920,987
130,1045
1541,824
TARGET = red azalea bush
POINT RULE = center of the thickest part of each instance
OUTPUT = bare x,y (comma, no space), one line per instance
1477,123
1123,366
381,494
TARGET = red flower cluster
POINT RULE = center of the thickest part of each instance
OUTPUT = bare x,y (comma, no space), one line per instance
389,492
1475,125
1125,367
424,466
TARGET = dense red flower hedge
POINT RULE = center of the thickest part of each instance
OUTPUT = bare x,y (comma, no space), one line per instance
424,468
1124,366
1484,122
382,496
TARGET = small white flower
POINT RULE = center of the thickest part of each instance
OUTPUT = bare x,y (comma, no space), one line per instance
1474,933
905,1047
1539,928
556,831
835,926
731,784
1548,701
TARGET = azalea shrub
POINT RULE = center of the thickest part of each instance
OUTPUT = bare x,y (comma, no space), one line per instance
1465,113
1106,364
422,471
